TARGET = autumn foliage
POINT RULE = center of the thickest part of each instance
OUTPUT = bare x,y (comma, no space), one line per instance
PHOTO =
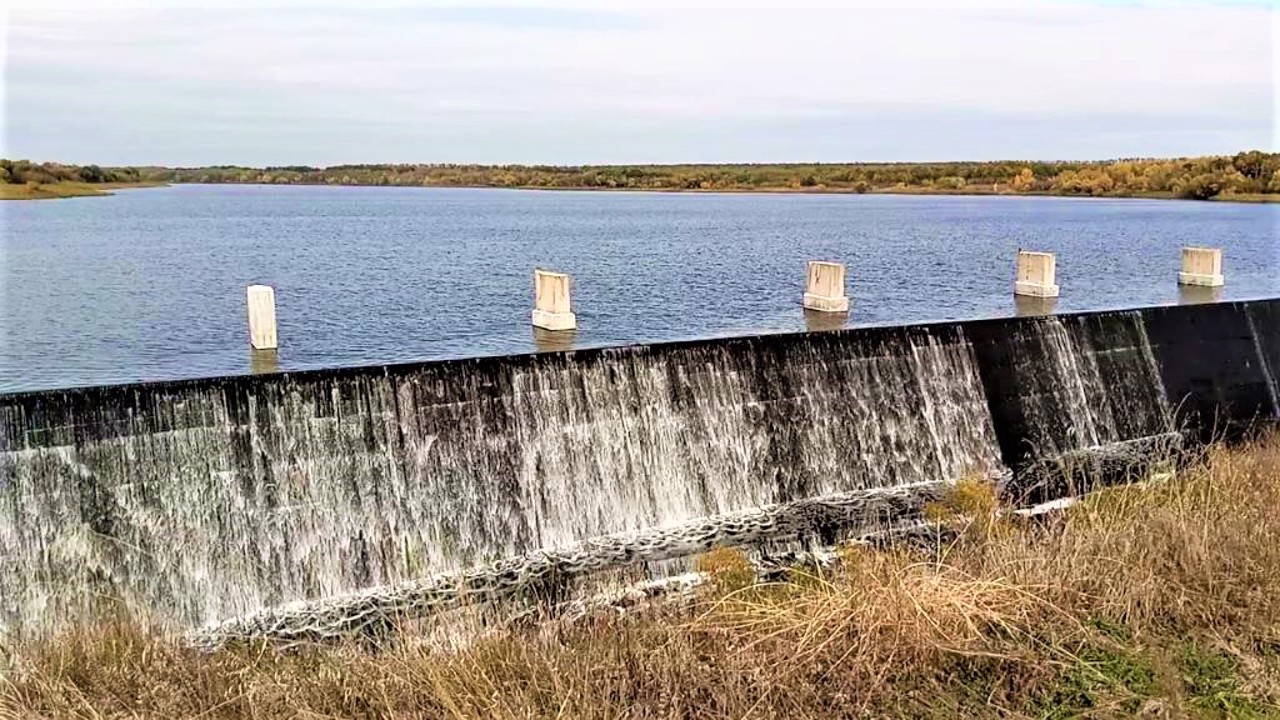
1253,174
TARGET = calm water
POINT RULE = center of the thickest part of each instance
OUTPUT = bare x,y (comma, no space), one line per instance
149,284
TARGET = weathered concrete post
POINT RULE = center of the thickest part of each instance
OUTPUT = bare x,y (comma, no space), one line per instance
551,309
824,290
1201,266
1037,273
262,317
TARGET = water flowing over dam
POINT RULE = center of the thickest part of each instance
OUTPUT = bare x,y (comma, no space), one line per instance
198,500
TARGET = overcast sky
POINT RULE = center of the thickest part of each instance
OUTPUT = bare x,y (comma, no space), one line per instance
159,83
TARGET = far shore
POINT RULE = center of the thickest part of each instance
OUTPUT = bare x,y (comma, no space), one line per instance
1247,176
1253,198
968,192
58,190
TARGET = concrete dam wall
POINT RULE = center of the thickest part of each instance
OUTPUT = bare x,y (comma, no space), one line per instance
199,500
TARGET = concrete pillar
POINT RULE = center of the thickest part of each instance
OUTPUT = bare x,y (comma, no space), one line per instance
1201,266
262,317
824,289
1037,274
551,309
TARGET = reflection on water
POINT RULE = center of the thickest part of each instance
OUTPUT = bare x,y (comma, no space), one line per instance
264,361
554,340
1196,294
815,321
1024,305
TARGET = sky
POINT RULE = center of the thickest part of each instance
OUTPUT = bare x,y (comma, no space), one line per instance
324,83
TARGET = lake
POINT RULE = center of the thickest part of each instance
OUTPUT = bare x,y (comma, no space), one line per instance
150,284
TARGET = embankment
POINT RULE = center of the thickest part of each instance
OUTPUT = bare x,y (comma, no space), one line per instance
55,190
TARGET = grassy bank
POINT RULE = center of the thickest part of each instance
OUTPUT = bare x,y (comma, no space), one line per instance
48,191
45,191
1250,197
970,190
1142,195
1155,601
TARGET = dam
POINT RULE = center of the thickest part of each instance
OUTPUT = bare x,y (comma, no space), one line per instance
193,501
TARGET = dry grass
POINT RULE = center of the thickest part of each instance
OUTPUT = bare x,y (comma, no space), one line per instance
1249,197
48,191
1159,601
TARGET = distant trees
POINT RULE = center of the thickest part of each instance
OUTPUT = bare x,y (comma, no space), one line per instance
1087,181
1025,180
1200,187
1246,172
92,174
1252,164
1251,171
25,171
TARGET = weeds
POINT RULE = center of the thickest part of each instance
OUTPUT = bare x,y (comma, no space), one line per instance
1160,601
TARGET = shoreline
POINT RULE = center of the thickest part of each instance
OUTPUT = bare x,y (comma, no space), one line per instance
1249,199
1251,176
67,190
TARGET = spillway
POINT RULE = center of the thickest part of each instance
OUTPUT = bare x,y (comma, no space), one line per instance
199,500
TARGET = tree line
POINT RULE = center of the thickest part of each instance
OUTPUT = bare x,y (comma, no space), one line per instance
19,172
1246,173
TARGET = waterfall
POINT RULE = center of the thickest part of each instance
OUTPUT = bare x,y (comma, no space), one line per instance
1267,362
1059,385
201,500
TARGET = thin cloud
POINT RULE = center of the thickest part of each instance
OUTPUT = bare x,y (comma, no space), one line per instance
190,86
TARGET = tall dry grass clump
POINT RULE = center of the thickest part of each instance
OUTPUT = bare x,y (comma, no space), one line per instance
1160,600
1199,550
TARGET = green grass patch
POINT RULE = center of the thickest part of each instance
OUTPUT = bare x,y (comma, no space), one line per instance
1104,679
1213,685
